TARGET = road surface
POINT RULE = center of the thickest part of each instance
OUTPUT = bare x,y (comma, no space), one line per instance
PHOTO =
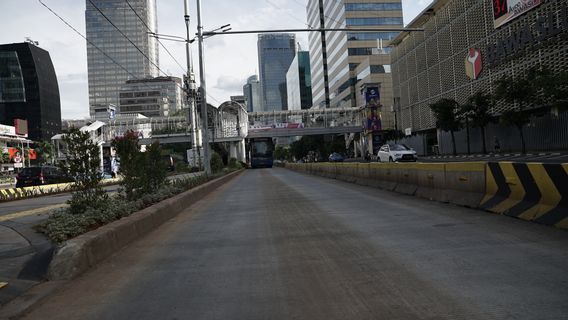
276,244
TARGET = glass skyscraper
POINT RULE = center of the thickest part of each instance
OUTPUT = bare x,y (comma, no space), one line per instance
346,50
105,76
252,94
29,90
275,54
299,82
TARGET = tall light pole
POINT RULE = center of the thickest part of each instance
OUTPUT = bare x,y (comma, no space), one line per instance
203,93
191,88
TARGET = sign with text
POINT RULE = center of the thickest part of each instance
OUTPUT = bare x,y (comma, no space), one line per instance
507,10
7,130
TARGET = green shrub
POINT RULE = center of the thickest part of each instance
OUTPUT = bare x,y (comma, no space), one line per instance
234,163
142,172
83,163
63,224
216,163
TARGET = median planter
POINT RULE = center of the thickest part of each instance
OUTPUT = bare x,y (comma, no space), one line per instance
79,254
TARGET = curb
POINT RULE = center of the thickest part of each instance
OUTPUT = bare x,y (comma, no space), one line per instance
12,194
85,251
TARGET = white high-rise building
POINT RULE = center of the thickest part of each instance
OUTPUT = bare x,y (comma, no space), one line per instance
106,69
346,50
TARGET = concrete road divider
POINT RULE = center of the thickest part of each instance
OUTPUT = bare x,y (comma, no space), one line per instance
431,181
36,191
465,183
406,178
529,191
83,252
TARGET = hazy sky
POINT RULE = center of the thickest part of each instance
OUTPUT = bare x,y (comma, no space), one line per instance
229,59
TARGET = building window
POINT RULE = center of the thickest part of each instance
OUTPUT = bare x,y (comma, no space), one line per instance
364,36
360,51
388,6
11,80
373,21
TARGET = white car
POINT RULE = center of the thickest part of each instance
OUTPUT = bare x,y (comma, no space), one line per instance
396,153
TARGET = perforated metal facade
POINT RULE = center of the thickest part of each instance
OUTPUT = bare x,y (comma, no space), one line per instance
430,65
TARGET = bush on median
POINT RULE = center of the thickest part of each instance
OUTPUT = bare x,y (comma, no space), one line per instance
63,224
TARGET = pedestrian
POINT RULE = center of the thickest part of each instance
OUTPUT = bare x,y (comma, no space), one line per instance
497,145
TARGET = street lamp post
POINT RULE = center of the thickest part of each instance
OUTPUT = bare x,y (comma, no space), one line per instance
203,92
191,92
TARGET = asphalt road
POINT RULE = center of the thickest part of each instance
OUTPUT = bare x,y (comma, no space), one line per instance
276,244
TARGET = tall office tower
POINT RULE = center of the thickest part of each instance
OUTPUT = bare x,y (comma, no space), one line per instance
346,50
252,94
29,90
275,54
299,82
140,57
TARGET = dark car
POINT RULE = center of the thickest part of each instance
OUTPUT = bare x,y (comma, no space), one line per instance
335,157
37,176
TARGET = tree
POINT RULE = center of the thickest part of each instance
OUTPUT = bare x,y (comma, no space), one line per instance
142,172
46,151
446,112
154,169
131,163
551,87
476,114
518,91
83,164
4,156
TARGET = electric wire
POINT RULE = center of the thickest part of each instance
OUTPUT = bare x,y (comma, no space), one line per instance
147,27
126,37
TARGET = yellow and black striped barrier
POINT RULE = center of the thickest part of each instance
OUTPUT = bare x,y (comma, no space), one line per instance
529,191
36,191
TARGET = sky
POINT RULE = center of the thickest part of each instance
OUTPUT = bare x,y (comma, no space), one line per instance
229,59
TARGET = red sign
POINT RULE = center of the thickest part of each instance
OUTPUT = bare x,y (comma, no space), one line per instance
507,10
21,127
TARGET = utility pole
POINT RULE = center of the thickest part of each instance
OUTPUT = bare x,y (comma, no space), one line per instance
191,88
203,91
324,54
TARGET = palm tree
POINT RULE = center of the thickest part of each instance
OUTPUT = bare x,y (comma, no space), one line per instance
446,112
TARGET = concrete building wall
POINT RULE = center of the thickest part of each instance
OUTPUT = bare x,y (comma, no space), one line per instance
430,65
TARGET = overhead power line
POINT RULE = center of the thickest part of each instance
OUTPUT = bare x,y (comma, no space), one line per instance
96,47
126,37
152,31
88,41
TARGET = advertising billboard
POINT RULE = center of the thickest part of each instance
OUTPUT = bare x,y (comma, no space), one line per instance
507,10
373,103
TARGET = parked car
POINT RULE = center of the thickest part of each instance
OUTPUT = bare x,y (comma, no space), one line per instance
335,157
396,153
37,176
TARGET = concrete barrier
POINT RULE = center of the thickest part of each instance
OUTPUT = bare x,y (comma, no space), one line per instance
362,174
465,183
347,171
11,194
432,181
406,178
529,191
83,252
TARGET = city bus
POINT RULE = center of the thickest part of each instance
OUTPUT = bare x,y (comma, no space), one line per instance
261,152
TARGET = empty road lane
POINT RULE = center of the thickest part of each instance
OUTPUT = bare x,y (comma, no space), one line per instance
275,244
